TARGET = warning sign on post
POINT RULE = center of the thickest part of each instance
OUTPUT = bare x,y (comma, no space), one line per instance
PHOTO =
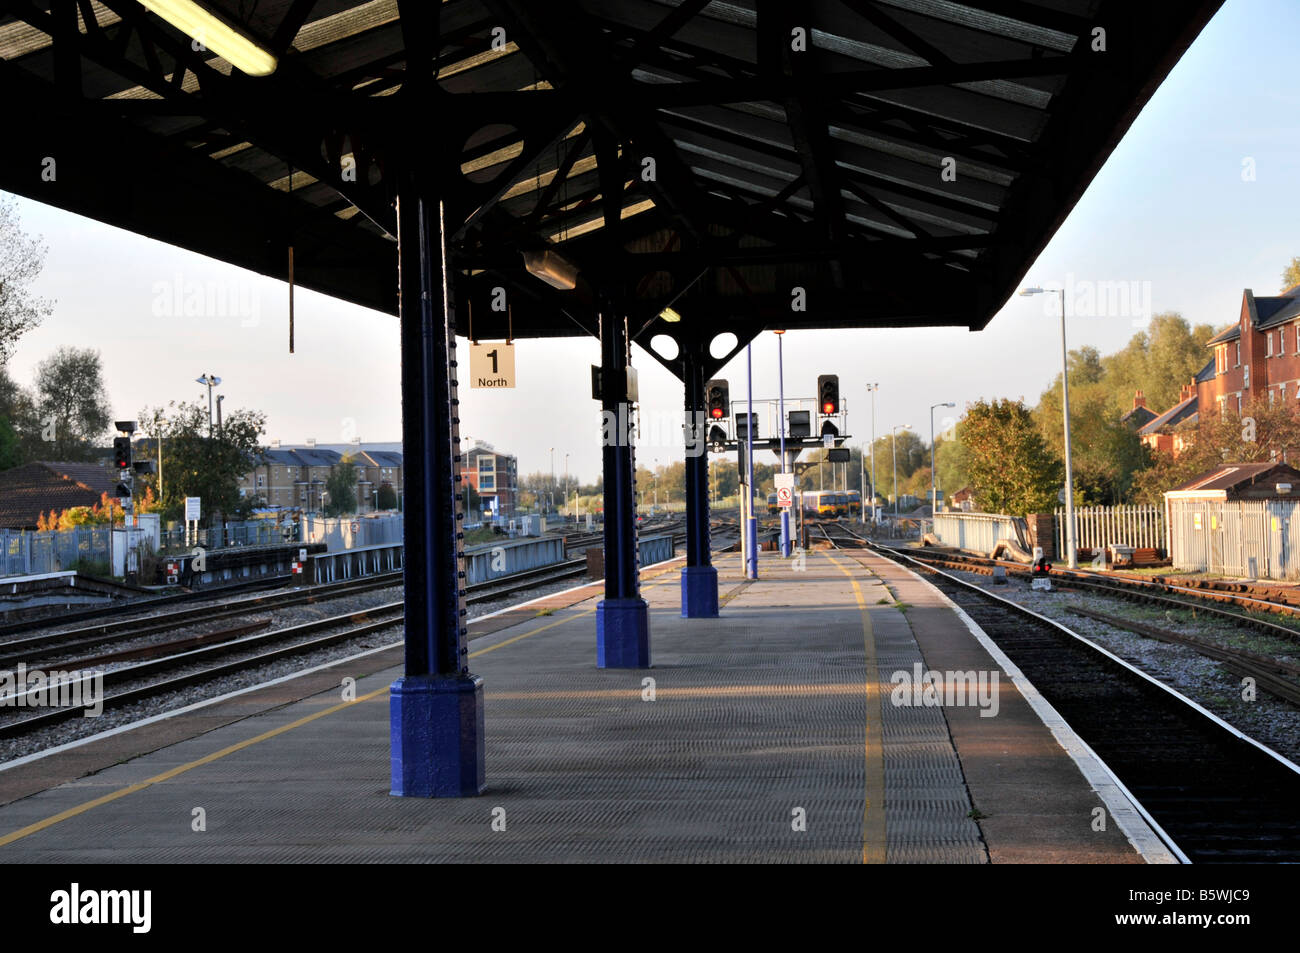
492,365
784,496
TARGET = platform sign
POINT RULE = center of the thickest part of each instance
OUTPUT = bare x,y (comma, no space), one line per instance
192,508
787,480
492,365
784,496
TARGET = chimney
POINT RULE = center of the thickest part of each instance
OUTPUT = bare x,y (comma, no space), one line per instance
1139,400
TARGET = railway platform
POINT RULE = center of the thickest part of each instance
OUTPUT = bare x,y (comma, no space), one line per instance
786,730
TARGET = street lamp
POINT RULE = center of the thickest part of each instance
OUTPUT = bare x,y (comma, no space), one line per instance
872,388
211,382
934,500
1065,413
894,452
566,481
551,504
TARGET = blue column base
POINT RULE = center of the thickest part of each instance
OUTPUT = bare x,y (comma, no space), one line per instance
622,633
436,730
785,533
699,592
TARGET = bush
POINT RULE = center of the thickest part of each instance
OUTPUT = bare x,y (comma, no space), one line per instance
92,567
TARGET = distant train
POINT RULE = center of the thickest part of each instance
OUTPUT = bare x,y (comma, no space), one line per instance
772,508
832,503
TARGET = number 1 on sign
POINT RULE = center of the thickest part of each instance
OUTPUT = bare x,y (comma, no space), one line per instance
492,365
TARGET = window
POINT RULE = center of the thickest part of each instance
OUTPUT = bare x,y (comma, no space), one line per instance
1245,379
261,481
1281,391
1238,364
1269,353
486,482
1271,396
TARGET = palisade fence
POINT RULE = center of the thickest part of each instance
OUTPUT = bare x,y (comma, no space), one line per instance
28,553
1257,539
1096,527
349,532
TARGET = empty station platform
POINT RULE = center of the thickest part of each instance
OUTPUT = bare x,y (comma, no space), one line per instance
770,734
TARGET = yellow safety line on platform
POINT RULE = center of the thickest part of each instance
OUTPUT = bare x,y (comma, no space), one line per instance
72,812
873,821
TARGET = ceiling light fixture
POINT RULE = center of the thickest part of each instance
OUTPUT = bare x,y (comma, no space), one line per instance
215,34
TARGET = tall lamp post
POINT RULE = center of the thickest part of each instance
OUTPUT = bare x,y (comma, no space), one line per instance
871,388
780,379
1065,413
566,481
934,500
211,382
893,447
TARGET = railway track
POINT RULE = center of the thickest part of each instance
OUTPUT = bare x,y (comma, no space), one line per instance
1214,794
1163,594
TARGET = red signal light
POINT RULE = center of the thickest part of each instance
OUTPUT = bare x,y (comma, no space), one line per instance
716,413
828,408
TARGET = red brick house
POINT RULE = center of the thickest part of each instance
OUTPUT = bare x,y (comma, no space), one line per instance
1257,356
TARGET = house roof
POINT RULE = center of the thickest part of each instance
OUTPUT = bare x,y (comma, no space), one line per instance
1276,310
1139,416
1230,333
1235,476
1181,413
35,488
1206,373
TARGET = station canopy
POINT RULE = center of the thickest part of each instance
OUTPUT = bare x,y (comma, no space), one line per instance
896,162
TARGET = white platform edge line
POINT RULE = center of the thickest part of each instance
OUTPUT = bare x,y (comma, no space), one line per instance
1121,805
162,716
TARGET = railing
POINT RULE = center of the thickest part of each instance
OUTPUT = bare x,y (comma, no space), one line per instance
1253,539
351,532
175,539
27,553
493,560
1096,527
979,532
654,549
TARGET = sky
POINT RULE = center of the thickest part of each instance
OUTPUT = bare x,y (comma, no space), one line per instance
1196,203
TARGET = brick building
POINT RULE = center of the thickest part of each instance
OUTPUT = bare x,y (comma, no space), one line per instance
493,474
1258,356
295,477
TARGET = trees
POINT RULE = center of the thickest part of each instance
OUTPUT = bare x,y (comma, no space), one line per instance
1010,465
21,259
387,497
203,464
71,403
1157,361
1291,275
341,485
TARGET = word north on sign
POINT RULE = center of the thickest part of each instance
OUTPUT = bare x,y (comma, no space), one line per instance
492,365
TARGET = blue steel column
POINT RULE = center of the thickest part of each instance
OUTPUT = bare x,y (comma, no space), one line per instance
751,524
785,463
622,617
699,577
436,707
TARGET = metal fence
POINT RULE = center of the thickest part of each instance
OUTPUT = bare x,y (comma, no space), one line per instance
1254,539
228,535
1096,527
979,532
28,554
350,532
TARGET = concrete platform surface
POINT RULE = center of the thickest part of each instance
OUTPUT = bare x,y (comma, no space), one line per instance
771,734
